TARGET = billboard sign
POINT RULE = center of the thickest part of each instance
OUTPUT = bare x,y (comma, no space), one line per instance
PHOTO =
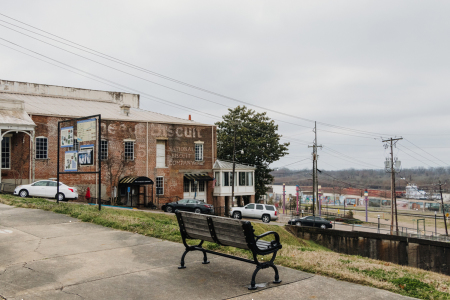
67,136
70,161
86,130
86,155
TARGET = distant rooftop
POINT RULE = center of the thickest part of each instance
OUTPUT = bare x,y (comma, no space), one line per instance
50,100
225,165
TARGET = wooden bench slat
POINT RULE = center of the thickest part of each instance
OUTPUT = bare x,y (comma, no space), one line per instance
236,235
234,244
201,237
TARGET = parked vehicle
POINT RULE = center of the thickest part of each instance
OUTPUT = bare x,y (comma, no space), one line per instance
46,189
192,205
264,212
311,221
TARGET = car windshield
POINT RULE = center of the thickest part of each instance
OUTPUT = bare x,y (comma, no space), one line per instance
40,183
183,201
250,206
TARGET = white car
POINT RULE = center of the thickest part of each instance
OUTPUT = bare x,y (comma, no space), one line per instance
258,211
47,189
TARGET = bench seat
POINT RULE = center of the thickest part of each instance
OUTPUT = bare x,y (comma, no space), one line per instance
228,232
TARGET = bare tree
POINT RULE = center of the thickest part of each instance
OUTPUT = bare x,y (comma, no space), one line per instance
19,167
115,166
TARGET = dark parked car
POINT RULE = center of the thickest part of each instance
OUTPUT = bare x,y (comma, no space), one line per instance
311,221
192,205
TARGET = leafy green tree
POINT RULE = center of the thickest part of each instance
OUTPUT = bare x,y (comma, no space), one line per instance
257,135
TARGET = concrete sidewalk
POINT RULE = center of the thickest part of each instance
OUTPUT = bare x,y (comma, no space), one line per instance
44,255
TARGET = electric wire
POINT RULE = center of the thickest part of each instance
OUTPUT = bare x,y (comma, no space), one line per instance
171,79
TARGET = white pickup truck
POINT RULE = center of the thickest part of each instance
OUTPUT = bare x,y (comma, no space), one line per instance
258,211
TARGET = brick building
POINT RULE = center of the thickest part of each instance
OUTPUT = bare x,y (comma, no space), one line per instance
177,155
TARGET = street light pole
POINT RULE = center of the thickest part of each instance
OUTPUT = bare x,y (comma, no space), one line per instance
234,167
443,208
366,194
435,222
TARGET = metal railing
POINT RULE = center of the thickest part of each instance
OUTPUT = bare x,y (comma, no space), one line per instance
357,225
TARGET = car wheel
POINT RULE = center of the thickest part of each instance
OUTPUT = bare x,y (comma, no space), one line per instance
298,223
266,218
237,215
23,193
323,226
60,197
169,209
197,210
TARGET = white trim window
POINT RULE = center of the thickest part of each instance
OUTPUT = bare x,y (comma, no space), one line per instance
160,154
129,150
6,153
159,185
198,151
41,147
201,186
104,149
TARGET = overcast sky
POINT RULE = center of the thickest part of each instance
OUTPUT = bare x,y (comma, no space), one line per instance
375,66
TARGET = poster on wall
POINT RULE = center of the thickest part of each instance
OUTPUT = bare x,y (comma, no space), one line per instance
86,130
70,161
86,155
67,136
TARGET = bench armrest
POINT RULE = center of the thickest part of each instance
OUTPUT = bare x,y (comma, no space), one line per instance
277,237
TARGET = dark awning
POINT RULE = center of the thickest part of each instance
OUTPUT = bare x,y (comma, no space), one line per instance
198,177
130,180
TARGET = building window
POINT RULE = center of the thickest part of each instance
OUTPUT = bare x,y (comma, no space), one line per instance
242,178
160,185
6,153
129,150
104,149
186,186
217,178
41,148
161,154
249,178
75,146
201,186
226,178
198,151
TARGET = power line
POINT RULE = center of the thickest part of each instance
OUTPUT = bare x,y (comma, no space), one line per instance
426,151
166,77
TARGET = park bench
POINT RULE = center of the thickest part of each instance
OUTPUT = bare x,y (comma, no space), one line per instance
227,232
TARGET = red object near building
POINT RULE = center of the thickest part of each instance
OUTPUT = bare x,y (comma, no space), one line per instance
88,194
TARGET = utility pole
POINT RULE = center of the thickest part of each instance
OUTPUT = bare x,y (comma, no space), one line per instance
391,142
314,173
443,210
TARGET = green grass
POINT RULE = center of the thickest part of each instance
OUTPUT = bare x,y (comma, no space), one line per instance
296,253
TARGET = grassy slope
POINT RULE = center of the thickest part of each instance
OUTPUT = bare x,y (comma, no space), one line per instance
296,253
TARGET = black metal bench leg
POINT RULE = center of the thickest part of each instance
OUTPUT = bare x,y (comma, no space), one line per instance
182,260
205,259
253,284
277,277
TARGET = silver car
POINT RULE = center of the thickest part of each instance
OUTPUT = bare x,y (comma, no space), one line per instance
264,212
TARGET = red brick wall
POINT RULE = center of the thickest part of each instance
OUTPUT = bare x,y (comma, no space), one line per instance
180,153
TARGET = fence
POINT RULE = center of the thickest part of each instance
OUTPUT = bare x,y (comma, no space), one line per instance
358,225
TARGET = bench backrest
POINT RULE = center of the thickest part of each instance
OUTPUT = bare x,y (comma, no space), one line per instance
224,231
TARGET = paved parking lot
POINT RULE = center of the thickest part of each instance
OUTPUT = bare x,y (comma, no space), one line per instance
44,255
